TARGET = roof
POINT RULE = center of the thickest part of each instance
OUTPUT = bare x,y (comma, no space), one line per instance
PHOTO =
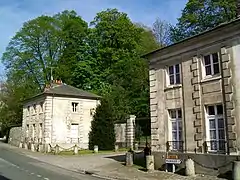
65,90
226,24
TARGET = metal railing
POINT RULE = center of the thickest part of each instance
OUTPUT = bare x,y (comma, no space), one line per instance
176,146
216,146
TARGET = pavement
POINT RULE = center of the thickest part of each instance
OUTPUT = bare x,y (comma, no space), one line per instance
105,166
17,166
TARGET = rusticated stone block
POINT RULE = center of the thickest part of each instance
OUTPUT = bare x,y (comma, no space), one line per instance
194,59
153,113
196,109
226,58
154,119
154,130
198,130
198,116
199,143
154,137
195,73
195,95
197,102
198,136
152,77
226,81
232,136
195,80
154,125
153,95
225,65
226,73
194,66
153,107
196,87
229,105
230,121
223,50
197,123
228,89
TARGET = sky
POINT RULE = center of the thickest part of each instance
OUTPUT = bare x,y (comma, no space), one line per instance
13,13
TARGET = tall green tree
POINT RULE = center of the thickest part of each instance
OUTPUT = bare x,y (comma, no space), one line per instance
202,15
113,65
102,129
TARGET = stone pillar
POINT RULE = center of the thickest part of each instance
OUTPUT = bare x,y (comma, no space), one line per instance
56,149
196,110
116,148
129,159
190,169
25,145
236,170
150,163
20,145
95,149
231,119
75,149
32,147
130,131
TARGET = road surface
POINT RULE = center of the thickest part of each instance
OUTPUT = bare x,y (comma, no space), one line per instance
15,166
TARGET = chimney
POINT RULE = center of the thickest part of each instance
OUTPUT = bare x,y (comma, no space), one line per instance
238,8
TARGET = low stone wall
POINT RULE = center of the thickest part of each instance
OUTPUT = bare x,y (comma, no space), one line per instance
210,164
15,135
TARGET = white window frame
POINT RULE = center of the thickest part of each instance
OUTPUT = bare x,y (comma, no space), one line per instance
75,106
174,75
211,64
216,117
178,120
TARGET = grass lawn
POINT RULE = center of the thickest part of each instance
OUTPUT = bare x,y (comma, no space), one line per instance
83,152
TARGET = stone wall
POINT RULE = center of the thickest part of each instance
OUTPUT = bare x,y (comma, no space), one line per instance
15,135
120,131
211,164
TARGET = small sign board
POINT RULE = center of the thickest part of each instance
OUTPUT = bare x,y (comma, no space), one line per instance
173,161
172,157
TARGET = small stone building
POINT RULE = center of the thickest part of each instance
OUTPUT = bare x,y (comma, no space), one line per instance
61,115
194,93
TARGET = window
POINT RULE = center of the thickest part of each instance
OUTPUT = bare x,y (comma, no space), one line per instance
41,107
33,130
216,127
176,132
34,108
40,130
27,130
211,64
74,106
174,74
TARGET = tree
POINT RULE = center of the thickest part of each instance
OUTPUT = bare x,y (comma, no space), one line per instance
161,31
43,43
199,16
102,128
113,65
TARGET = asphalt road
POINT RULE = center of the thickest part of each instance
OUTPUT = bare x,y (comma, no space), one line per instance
15,166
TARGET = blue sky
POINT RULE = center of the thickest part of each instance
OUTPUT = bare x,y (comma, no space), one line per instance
13,13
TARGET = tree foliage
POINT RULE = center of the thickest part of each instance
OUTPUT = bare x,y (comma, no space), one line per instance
199,16
102,128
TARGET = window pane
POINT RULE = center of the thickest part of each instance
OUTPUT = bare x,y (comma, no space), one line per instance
208,70
219,109
172,114
216,68
207,60
179,125
174,136
177,78
177,68
212,124
215,57
220,123
212,134
211,110
179,113
174,126
221,134
171,78
171,70
213,145
179,135
222,145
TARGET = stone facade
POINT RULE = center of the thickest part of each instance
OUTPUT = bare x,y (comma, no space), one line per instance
53,119
209,70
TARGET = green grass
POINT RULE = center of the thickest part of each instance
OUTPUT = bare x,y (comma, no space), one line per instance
83,152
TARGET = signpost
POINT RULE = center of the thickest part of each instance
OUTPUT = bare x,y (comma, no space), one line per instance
172,159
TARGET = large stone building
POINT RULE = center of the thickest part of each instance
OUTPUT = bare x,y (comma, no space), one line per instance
194,93
61,115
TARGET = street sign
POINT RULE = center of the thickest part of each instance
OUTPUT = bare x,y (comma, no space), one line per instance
173,161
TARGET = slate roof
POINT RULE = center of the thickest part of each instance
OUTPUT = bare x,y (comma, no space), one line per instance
66,91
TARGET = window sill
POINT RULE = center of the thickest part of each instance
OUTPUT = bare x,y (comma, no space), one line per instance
211,78
40,113
176,86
